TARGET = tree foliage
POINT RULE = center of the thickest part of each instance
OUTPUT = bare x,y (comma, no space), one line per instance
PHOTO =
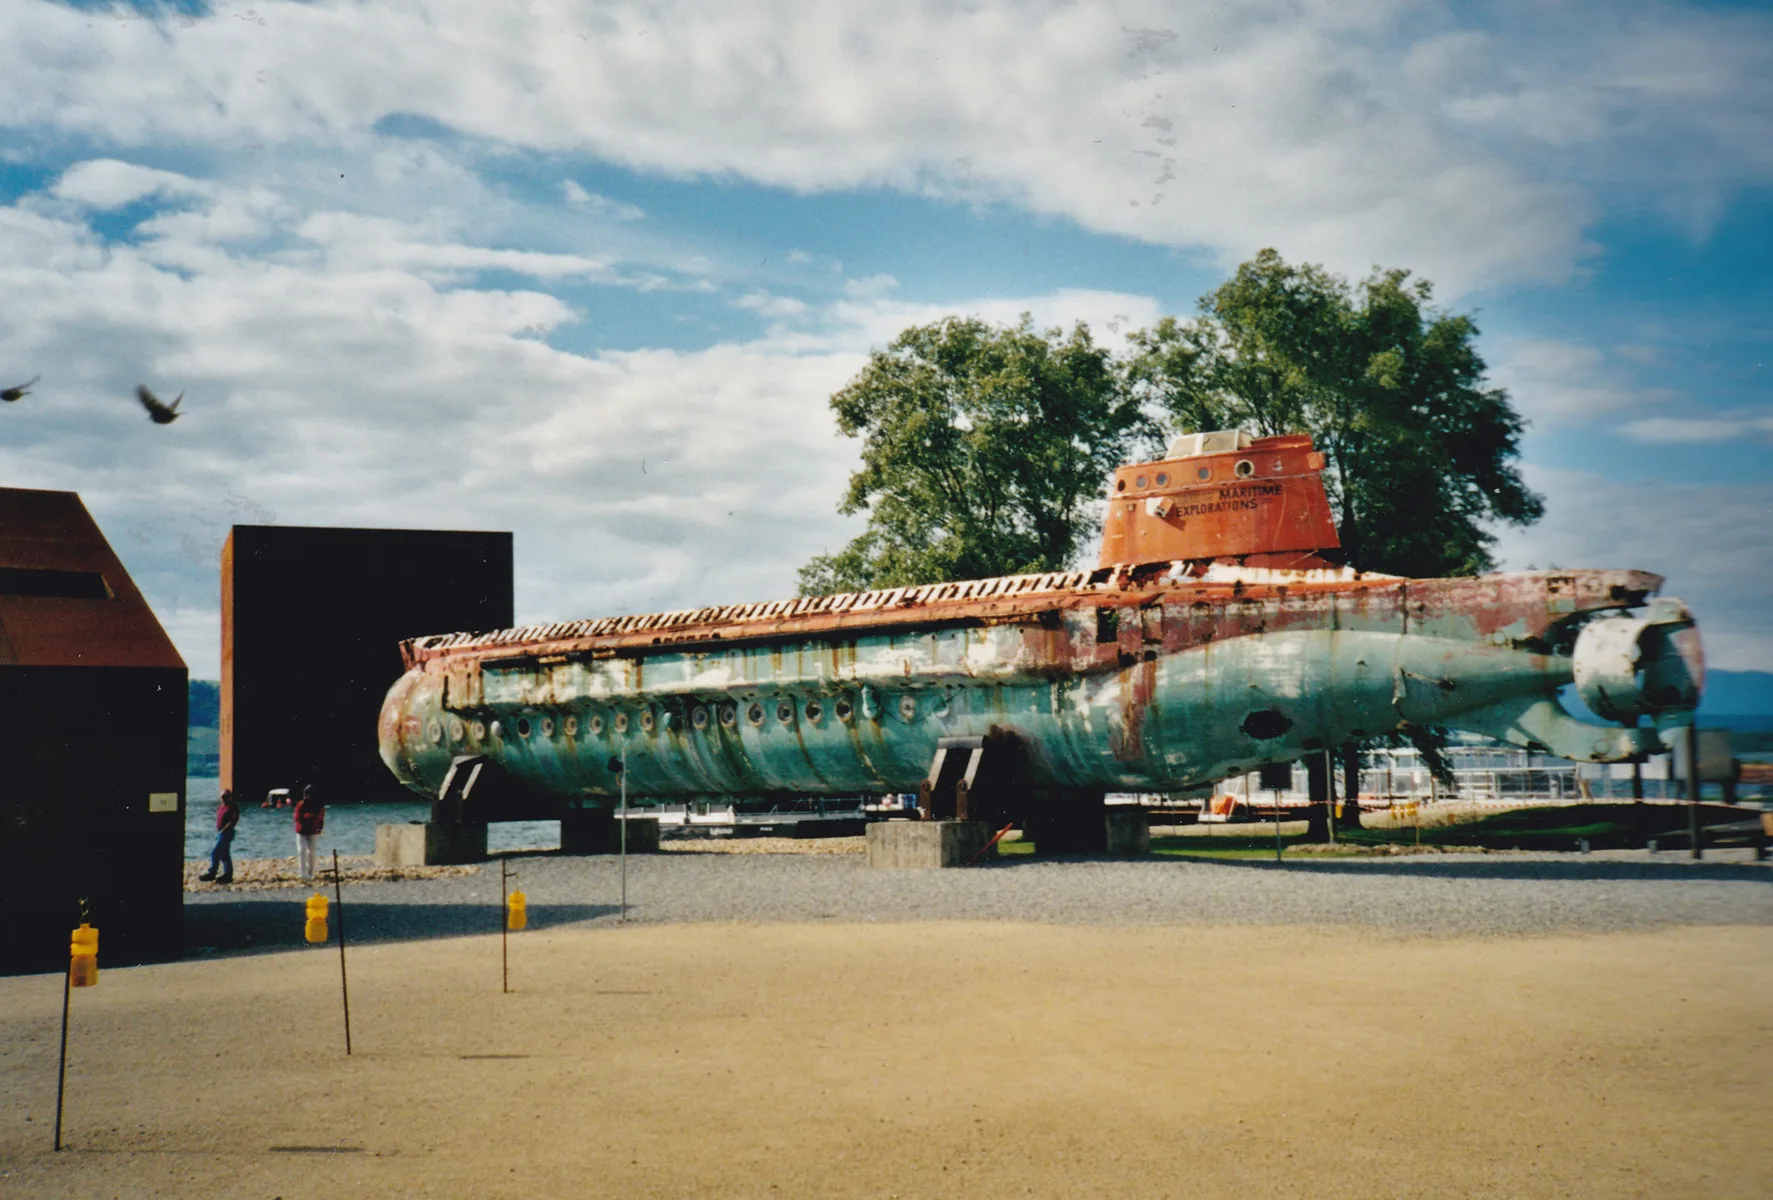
983,448
1421,453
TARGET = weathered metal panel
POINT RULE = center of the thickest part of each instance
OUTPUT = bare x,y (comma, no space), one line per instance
65,599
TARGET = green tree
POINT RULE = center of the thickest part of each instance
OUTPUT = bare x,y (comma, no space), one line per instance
983,448
1421,453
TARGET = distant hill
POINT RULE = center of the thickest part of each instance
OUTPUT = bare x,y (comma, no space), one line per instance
1737,693
203,736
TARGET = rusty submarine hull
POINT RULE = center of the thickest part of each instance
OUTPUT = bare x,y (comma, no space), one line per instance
1217,634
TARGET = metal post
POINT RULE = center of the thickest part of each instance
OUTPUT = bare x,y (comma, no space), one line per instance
1693,791
338,892
504,925
624,834
61,1070
1277,816
1330,795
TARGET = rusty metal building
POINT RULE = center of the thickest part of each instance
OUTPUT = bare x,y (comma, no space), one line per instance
92,745
312,620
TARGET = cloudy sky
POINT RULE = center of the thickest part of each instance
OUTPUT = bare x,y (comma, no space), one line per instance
588,271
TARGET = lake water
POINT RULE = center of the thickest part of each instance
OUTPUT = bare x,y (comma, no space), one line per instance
350,828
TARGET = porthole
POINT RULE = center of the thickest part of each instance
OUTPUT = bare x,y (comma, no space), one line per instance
548,727
1120,485
479,730
455,729
571,726
620,724
1162,478
699,717
496,729
908,707
844,709
754,714
646,720
1245,468
522,727
729,715
435,730
595,725
1140,482
1204,473
814,710
785,712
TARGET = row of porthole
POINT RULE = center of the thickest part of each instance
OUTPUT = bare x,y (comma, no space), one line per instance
1244,469
727,713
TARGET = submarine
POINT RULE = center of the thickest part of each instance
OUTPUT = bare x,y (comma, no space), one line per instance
1217,633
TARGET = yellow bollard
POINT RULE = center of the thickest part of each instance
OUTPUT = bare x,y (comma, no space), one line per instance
517,911
83,957
316,928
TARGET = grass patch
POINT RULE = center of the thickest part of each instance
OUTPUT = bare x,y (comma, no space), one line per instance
1554,827
1233,847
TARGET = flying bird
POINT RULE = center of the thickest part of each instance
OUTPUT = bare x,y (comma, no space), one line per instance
20,392
160,413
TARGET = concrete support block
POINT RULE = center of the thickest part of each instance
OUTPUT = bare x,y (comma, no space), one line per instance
1128,830
1070,823
586,831
429,844
925,843
597,831
643,836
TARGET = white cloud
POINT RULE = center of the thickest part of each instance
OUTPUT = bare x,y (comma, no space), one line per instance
356,242
1351,133
321,299
107,183
869,286
616,210
1711,542
1560,383
1710,427
1110,315
333,388
764,304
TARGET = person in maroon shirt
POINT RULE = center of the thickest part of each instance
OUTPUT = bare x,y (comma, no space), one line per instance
221,855
310,819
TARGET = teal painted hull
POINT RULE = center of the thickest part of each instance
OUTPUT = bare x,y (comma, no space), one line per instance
1179,684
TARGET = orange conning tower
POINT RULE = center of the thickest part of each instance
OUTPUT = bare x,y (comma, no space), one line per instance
1222,495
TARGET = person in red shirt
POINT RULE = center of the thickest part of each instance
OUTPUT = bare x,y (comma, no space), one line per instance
310,819
221,855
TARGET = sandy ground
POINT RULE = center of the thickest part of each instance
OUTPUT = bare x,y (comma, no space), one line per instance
911,1060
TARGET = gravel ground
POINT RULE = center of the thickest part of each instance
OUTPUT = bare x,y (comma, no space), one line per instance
1440,895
